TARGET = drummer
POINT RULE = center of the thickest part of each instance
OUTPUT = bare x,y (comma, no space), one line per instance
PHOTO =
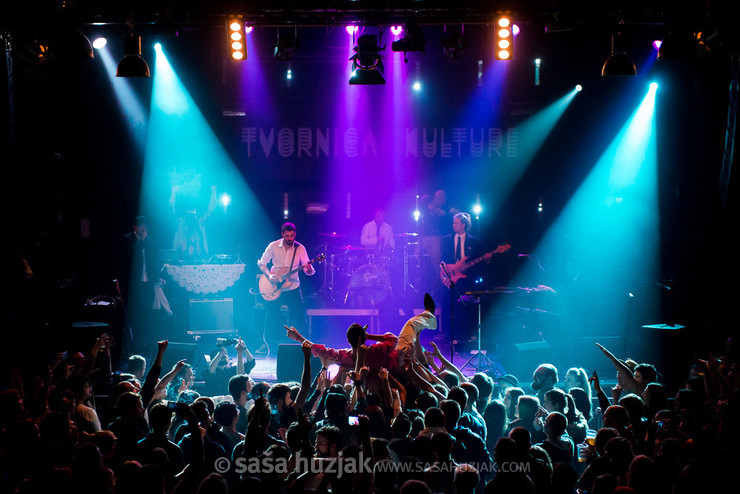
377,234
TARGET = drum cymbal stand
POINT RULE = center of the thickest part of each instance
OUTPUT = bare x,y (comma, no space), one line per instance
406,277
327,286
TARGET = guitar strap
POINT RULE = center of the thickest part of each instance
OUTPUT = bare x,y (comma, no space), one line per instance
295,249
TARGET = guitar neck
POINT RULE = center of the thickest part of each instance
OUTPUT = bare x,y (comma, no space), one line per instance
293,271
312,261
472,263
499,250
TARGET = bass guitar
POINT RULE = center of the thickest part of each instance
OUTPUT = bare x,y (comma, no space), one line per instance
450,273
271,289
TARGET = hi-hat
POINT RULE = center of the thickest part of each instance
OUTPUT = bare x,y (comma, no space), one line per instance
332,235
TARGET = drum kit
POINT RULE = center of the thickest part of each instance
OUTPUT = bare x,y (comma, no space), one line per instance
364,276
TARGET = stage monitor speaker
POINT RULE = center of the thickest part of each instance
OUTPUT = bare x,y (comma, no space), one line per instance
521,359
179,351
532,346
290,363
211,315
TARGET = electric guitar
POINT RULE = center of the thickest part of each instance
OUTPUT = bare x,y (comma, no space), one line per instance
457,270
271,290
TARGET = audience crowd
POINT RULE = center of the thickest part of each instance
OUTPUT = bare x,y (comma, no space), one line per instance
394,418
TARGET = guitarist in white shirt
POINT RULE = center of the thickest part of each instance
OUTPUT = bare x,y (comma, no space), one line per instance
285,255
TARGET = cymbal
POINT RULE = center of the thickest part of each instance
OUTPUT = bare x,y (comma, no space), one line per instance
532,310
408,234
350,247
332,235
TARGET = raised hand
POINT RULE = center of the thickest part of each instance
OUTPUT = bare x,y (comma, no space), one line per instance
364,371
306,347
293,334
595,380
383,373
406,362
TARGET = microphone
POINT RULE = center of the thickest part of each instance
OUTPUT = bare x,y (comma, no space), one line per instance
442,264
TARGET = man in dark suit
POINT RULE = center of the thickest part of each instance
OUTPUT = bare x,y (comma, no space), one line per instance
456,247
461,245
138,274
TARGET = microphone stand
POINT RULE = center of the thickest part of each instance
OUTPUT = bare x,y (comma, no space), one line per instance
452,309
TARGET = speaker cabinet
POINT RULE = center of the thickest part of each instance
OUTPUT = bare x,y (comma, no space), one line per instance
290,363
212,315
179,351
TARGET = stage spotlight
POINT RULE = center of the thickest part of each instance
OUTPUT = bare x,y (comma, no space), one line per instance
72,44
504,39
225,200
656,44
579,88
396,30
653,86
35,52
367,64
352,30
100,42
679,46
417,215
285,45
413,41
619,63
417,86
453,44
237,38
132,64
477,209
157,46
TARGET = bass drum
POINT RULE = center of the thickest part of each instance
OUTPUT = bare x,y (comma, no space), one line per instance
368,286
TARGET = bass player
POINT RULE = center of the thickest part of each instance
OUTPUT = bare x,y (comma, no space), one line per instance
456,247
285,255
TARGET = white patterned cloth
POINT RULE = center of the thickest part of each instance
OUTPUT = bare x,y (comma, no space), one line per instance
205,279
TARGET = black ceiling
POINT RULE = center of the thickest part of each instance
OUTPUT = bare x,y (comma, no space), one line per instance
697,13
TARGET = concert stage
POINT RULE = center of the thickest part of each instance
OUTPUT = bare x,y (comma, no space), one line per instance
611,191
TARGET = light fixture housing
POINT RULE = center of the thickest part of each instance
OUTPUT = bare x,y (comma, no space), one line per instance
453,44
285,45
412,41
237,38
619,64
132,64
367,64
679,46
503,39
72,44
